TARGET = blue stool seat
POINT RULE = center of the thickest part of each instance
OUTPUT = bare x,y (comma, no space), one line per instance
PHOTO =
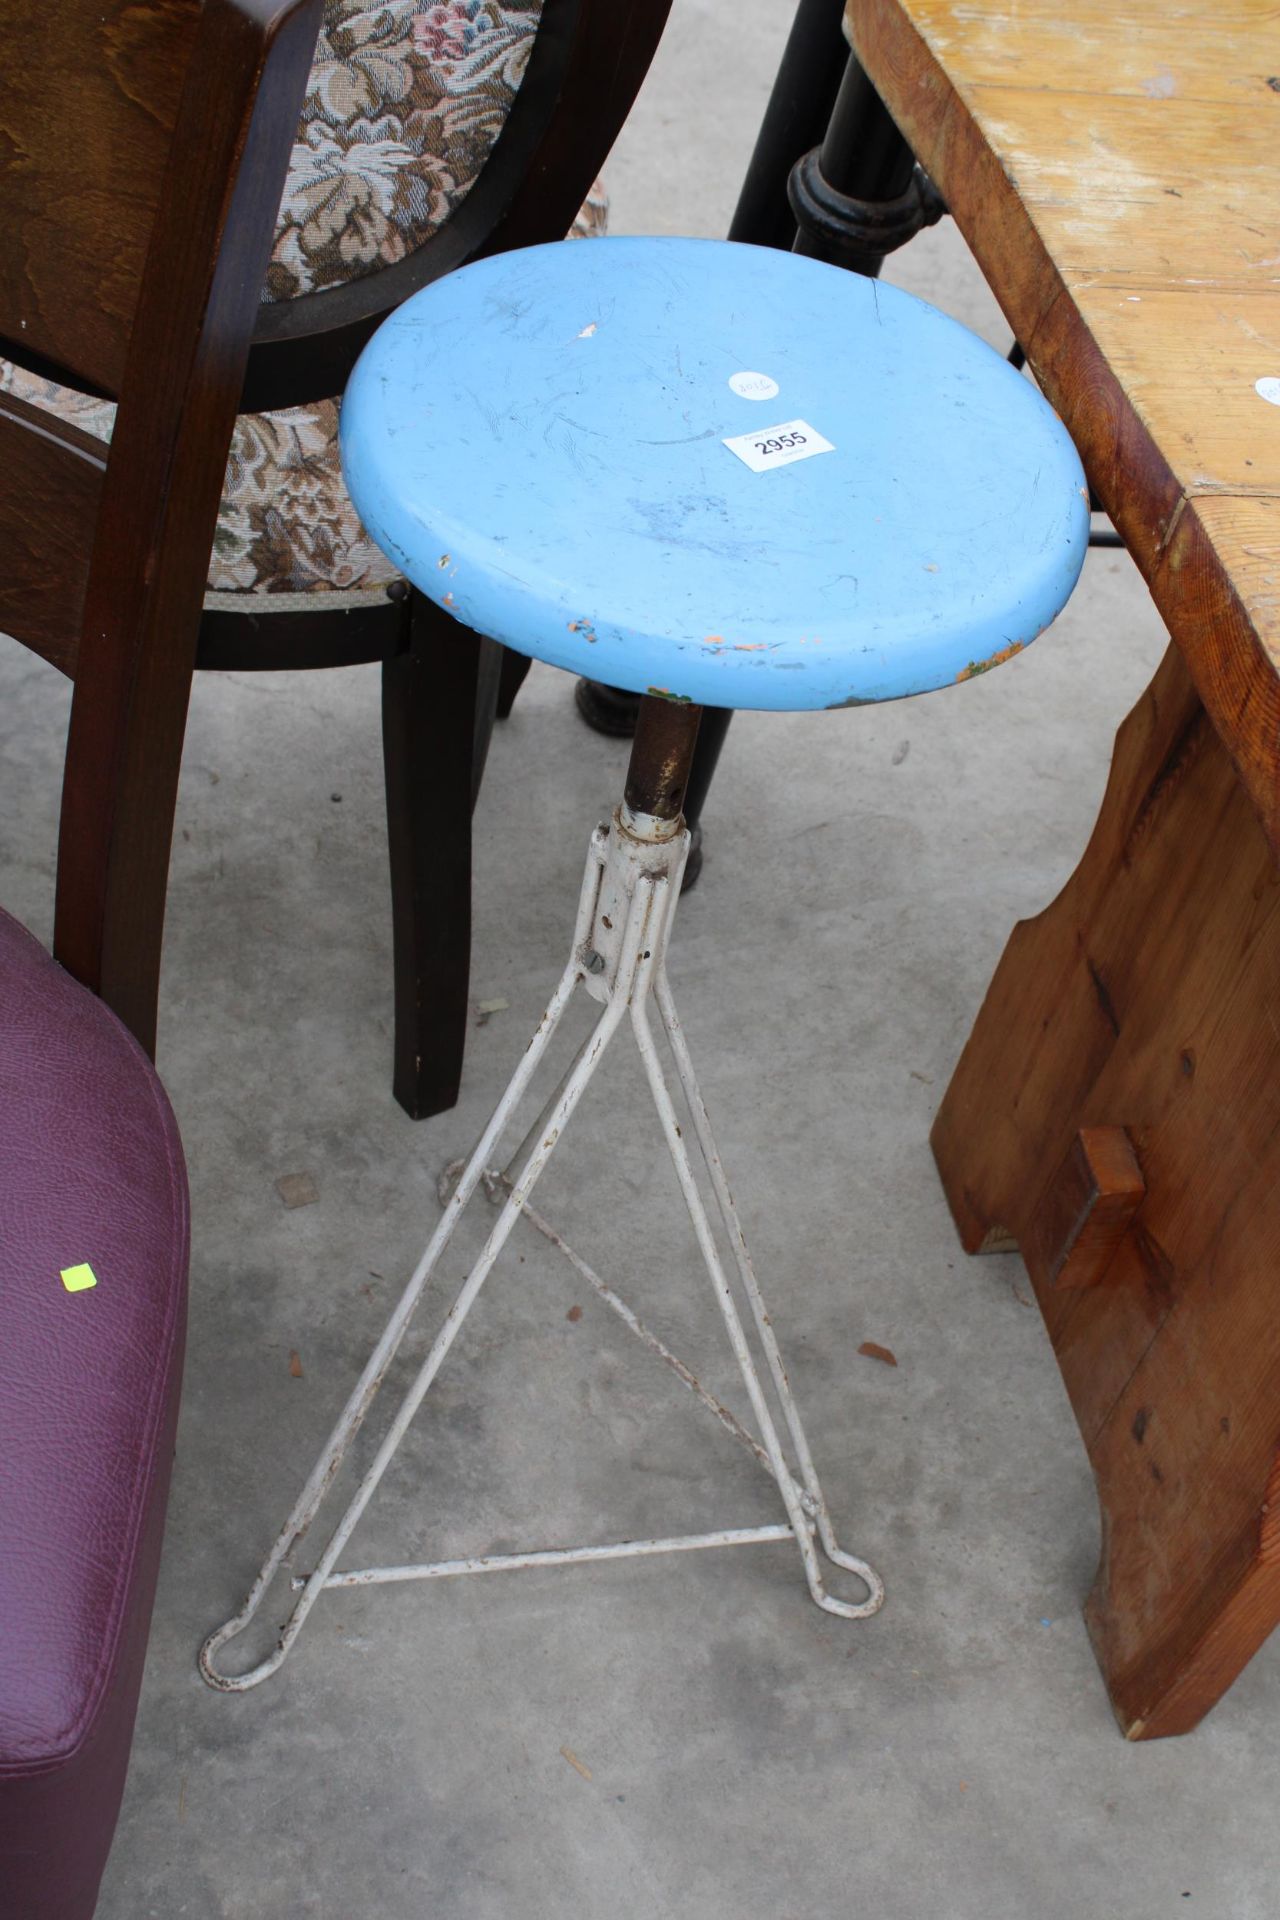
541,442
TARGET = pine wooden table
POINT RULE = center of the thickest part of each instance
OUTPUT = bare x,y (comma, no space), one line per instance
1116,1112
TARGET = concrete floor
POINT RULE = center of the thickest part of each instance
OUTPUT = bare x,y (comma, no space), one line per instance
743,1756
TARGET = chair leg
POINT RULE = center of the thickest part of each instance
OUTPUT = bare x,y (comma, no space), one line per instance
706,755
434,736
512,676
488,693
608,710
114,840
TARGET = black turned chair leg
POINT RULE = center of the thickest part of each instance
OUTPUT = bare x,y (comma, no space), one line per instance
711,737
860,195
512,675
438,700
608,710
485,706
795,120
711,734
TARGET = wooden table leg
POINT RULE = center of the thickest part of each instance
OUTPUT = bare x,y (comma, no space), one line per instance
1145,1002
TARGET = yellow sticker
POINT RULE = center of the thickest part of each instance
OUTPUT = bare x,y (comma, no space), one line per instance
78,1279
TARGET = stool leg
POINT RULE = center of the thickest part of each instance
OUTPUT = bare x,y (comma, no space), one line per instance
801,1525
751,1287
365,1391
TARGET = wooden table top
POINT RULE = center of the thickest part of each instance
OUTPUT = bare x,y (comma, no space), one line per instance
1115,167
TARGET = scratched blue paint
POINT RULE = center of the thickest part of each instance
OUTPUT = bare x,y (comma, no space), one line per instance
537,440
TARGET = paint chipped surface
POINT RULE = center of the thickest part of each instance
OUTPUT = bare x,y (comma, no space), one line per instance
975,667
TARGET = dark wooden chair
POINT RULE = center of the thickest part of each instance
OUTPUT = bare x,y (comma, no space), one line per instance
142,152
428,135
137,229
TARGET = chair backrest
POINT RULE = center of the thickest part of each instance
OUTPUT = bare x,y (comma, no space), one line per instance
143,149
403,109
434,133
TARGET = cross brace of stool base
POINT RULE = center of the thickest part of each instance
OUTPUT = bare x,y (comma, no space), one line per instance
618,957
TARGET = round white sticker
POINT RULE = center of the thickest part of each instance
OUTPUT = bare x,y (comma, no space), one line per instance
1268,388
753,386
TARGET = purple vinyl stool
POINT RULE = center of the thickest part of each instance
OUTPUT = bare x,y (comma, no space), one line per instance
93,1289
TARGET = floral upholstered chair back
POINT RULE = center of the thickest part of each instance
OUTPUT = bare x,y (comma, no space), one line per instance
403,108
404,105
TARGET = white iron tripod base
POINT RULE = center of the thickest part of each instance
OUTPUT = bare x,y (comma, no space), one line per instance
628,900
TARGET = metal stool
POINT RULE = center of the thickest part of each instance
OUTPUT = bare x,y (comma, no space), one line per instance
574,449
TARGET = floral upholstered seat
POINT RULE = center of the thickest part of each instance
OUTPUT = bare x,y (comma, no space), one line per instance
404,103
